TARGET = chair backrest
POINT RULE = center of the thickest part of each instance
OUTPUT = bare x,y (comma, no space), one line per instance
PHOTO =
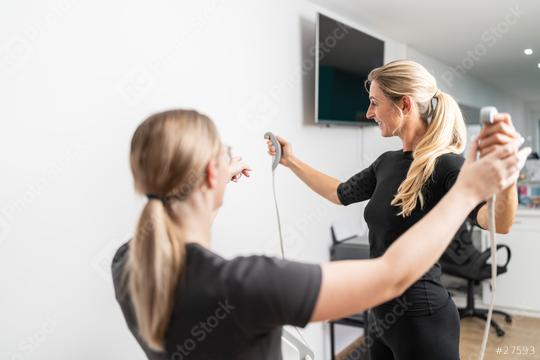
463,259
462,248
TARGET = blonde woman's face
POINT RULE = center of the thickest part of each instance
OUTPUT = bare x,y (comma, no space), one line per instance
383,111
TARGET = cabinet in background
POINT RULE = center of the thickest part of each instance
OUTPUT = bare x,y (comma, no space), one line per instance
519,288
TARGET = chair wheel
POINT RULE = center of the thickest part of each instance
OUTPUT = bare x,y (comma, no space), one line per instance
500,332
508,319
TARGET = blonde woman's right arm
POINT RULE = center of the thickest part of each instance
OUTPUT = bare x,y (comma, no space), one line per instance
349,287
324,185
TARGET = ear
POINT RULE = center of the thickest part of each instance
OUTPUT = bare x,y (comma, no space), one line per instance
211,174
406,104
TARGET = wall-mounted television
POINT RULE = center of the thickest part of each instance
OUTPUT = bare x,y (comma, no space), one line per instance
345,56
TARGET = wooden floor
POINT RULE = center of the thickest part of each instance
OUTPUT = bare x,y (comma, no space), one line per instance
523,332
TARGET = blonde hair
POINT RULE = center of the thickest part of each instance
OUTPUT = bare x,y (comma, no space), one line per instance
446,131
169,152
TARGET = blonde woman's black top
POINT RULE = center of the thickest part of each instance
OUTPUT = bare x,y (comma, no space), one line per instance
379,184
229,309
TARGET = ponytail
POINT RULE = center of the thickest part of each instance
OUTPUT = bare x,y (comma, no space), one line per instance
446,133
156,259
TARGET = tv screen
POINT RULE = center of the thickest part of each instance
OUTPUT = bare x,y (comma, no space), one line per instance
345,58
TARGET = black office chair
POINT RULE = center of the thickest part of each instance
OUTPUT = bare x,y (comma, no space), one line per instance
463,260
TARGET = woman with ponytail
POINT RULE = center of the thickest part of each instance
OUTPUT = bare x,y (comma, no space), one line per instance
402,187
181,300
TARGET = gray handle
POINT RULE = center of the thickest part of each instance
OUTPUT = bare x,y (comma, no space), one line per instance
277,146
487,115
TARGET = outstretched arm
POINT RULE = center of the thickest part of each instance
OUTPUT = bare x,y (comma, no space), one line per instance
324,185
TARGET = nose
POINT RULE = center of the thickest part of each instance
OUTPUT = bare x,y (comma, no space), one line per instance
370,113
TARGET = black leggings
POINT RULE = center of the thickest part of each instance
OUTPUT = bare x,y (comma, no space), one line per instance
428,337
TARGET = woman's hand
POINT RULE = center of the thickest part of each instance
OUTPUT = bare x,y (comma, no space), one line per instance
237,168
501,132
286,150
495,171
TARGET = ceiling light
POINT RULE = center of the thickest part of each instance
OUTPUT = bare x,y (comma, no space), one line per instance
528,51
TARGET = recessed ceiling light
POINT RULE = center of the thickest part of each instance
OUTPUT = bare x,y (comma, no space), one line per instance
539,65
528,51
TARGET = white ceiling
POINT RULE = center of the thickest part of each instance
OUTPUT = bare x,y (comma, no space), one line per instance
448,30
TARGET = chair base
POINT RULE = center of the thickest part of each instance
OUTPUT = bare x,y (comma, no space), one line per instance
482,314
472,311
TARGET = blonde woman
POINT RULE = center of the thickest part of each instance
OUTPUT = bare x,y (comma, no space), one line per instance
402,187
181,300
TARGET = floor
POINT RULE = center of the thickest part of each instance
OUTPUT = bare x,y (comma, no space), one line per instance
523,335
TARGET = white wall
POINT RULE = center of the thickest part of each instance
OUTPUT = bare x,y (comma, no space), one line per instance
533,129
77,78
470,91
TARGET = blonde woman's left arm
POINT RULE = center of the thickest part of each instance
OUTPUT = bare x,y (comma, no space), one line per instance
505,211
500,133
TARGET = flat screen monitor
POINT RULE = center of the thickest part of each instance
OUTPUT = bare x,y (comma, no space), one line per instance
345,56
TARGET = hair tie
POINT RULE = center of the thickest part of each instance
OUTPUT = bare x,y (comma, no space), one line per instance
155,197
434,103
